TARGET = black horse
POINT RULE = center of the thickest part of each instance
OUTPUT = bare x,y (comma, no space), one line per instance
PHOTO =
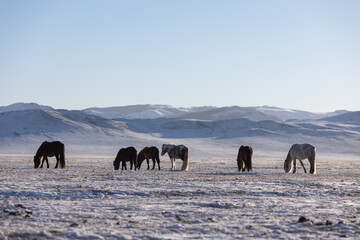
126,155
50,149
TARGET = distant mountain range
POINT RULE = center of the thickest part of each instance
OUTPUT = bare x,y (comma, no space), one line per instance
214,131
197,113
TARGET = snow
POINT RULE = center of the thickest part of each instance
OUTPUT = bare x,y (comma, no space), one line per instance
350,117
149,111
140,111
228,113
211,201
287,114
208,113
23,106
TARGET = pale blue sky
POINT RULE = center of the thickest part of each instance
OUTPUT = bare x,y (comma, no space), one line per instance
79,54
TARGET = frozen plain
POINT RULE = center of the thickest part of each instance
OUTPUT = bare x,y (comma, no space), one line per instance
212,200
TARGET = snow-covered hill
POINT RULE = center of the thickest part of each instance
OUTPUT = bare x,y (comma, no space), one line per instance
88,134
200,113
287,114
143,111
208,113
227,113
349,117
24,106
17,123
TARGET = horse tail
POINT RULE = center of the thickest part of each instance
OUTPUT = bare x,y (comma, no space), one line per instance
185,165
62,155
313,161
248,159
157,157
136,161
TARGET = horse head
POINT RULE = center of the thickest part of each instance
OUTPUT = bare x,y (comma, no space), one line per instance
36,161
138,162
164,149
287,165
116,165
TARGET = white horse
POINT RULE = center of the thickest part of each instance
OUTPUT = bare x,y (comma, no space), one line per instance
300,152
176,152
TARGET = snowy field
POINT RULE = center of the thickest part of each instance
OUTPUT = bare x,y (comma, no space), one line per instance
90,200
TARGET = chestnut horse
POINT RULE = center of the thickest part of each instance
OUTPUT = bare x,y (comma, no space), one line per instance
50,149
125,155
244,159
148,153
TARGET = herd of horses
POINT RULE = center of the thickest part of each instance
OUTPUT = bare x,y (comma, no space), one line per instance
244,159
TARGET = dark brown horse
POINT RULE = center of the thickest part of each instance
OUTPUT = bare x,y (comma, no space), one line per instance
50,149
148,153
244,159
126,155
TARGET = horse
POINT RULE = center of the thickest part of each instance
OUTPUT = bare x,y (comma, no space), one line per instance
176,152
50,149
148,153
244,158
300,152
126,155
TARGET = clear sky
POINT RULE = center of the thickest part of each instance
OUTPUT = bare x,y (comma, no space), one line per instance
77,54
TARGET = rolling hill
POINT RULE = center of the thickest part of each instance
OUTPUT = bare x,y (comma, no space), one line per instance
88,134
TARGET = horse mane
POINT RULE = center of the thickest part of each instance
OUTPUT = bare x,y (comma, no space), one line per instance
288,157
40,149
140,157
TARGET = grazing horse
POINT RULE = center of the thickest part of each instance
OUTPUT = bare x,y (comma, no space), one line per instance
176,152
300,152
244,158
50,149
148,153
126,155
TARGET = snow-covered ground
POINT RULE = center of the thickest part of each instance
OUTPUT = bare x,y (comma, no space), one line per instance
212,200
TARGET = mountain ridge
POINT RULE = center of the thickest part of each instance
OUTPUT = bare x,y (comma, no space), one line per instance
148,111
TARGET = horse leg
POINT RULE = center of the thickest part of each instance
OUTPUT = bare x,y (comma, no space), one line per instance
148,163
123,165
249,165
57,161
153,163
47,162
246,168
302,164
294,170
240,165
158,162
173,167
42,162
